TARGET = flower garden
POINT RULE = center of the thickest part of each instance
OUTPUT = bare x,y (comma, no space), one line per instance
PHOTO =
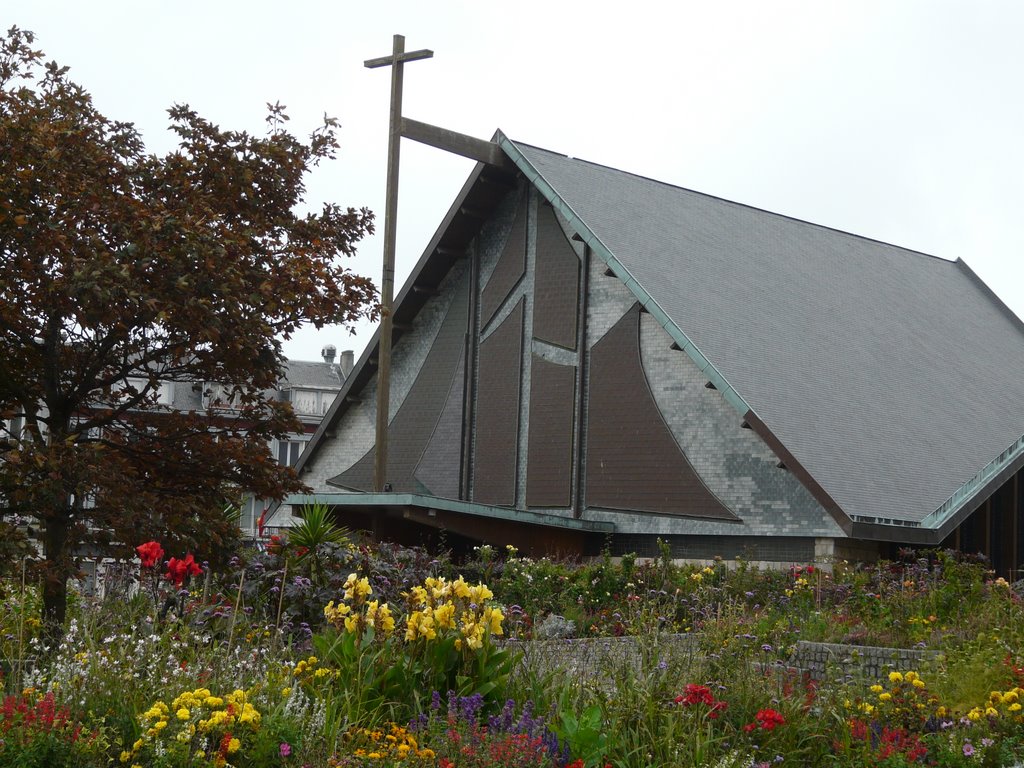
329,652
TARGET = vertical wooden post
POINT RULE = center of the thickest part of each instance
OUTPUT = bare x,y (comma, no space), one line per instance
396,61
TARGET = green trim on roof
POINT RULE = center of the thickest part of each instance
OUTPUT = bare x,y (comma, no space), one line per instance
448,505
962,495
646,300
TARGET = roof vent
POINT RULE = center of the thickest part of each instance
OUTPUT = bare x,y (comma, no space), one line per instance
328,353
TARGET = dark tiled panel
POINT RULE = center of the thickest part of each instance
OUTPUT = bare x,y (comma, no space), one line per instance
552,405
510,268
633,462
557,286
416,418
438,468
497,412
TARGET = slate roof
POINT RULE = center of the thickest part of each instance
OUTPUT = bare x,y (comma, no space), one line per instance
893,377
309,373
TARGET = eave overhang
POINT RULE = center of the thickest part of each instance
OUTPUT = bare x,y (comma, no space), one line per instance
412,502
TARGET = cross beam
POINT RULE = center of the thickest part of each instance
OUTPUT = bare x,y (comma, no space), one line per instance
396,61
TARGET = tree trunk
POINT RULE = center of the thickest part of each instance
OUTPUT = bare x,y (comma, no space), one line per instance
55,578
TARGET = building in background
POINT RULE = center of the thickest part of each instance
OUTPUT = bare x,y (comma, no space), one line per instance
311,387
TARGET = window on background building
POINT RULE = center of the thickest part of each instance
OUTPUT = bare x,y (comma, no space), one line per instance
11,429
310,402
248,513
288,451
164,391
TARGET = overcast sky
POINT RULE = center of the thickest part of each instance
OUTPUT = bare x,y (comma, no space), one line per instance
899,121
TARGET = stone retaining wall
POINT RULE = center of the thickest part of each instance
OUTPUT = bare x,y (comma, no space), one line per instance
592,660
865,660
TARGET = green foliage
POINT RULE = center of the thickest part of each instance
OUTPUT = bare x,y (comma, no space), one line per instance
125,271
724,694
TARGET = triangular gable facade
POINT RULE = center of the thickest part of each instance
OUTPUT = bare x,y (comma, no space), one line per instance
586,356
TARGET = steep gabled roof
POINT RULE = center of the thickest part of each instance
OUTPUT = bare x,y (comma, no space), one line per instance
892,377
893,380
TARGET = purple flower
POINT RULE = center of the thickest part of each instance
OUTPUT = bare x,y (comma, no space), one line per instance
987,742
285,749
968,749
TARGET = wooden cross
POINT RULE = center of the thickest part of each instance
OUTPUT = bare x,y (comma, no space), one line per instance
396,61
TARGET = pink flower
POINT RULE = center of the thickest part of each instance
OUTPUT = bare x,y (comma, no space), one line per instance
286,749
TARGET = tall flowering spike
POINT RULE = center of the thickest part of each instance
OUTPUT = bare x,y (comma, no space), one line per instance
151,553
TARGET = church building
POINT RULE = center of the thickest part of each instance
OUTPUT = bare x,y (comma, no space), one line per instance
585,359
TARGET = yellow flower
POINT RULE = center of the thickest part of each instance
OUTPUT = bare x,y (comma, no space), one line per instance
494,617
125,756
480,593
991,712
910,677
974,715
183,714
895,677
876,688
336,614
696,577
460,588
444,616
356,589
919,683
233,746
1015,707
286,692
885,696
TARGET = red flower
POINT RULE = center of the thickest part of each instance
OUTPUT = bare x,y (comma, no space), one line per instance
150,553
261,522
179,570
767,719
701,694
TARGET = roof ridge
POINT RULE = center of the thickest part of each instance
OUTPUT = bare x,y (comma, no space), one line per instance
740,205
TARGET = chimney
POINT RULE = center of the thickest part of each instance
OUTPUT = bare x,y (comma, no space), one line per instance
348,360
328,353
